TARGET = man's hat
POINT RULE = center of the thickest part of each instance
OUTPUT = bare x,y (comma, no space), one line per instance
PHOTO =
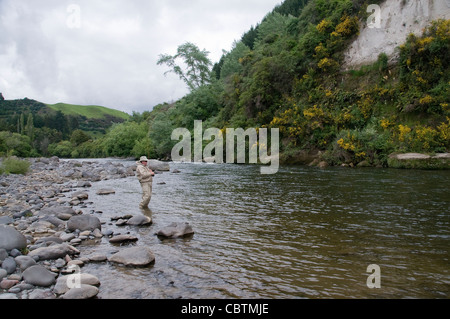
143,159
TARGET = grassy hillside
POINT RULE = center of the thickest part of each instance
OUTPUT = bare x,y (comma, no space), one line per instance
32,128
88,111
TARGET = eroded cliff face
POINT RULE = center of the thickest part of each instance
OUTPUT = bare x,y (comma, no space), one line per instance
397,19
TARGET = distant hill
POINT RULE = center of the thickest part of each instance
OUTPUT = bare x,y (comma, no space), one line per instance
63,117
88,111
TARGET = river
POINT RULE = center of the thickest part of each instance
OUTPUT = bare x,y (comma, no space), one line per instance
301,233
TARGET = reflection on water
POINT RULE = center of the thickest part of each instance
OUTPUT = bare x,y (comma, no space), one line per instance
302,233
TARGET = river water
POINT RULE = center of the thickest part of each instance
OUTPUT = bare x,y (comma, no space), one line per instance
302,233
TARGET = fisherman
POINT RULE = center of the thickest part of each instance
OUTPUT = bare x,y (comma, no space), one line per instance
145,177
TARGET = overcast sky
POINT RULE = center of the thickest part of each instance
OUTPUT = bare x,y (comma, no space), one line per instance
95,52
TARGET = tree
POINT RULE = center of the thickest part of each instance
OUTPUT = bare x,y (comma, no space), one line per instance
29,128
78,137
196,71
231,62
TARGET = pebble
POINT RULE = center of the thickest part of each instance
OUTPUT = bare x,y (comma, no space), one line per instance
8,283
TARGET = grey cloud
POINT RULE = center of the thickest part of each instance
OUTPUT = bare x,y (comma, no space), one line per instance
111,59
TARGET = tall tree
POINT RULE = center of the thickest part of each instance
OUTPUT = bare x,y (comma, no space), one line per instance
195,71
29,128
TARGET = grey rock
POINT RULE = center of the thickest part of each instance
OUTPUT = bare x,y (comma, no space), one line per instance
8,296
3,273
107,232
55,221
24,286
122,238
41,294
3,254
22,214
15,252
97,233
59,263
11,238
158,166
25,262
62,286
83,184
5,220
50,239
83,292
134,256
80,195
68,173
9,264
105,191
98,258
61,212
54,252
67,236
176,230
41,226
139,220
84,222
39,276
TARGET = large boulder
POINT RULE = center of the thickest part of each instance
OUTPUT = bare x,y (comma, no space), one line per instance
176,230
135,256
11,238
84,222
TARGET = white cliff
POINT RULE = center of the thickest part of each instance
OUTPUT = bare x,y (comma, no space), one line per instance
397,19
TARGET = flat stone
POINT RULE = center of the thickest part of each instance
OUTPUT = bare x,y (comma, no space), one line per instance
122,238
98,258
8,296
7,283
105,192
134,256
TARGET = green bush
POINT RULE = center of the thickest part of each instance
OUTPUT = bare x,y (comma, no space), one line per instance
13,165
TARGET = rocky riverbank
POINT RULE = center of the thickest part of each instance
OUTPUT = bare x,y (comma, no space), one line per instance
43,223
